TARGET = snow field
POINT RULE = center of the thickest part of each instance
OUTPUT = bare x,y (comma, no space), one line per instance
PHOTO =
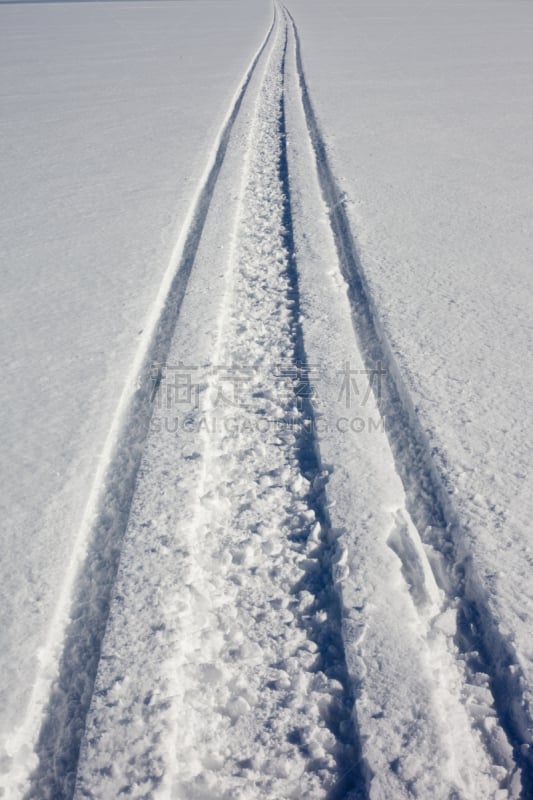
276,594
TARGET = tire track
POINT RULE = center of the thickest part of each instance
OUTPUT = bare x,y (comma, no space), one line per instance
225,583
62,693
351,780
280,604
483,650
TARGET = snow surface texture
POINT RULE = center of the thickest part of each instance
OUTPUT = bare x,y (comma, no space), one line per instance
292,609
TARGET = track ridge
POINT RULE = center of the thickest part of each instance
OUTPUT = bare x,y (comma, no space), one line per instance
58,708
480,643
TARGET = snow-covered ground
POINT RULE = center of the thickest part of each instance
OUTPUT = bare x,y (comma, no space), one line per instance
266,445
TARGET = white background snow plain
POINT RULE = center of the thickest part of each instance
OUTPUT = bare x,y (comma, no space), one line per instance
109,111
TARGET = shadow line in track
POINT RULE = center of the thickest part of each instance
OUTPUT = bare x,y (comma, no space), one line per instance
319,580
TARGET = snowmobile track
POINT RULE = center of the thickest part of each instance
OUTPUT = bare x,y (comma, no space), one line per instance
254,569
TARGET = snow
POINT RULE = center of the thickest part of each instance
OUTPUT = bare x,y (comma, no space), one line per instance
277,543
